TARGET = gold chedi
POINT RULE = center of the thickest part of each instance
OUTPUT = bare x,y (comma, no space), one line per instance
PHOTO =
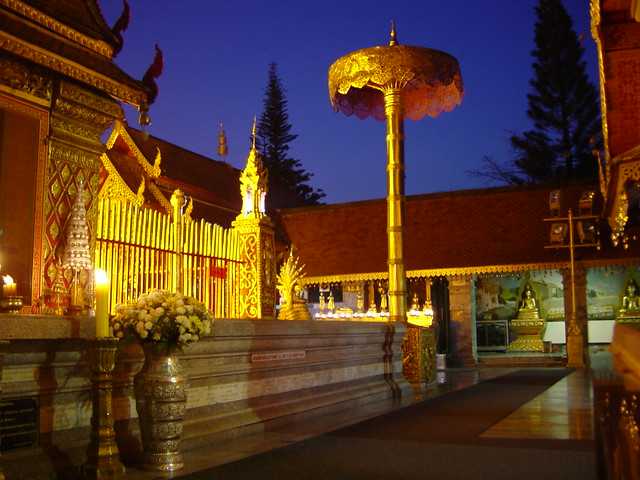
528,326
294,307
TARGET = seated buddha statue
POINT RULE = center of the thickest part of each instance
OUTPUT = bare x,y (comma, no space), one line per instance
630,300
528,308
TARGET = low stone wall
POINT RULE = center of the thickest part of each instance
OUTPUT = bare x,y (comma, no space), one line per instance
248,376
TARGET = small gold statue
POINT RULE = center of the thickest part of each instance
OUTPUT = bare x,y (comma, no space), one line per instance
360,302
384,302
528,327
294,307
331,305
528,308
322,306
414,303
630,300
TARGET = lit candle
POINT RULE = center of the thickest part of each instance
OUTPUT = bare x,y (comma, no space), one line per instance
9,287
102,303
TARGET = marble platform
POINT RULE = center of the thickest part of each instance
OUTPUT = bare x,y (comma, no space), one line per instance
250,376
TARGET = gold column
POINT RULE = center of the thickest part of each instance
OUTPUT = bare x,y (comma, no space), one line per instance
177,202
395,205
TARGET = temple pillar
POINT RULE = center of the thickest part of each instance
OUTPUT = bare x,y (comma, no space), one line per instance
257,285
257,273
461,323
576,322
78,118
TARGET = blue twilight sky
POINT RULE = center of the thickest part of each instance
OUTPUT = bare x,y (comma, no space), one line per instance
217,54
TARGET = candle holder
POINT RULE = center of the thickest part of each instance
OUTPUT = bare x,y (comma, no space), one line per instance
11,304
103,460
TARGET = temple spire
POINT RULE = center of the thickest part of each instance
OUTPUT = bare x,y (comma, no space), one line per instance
223,149
393,40
254,133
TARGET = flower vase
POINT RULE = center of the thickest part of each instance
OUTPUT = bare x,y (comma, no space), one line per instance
161,400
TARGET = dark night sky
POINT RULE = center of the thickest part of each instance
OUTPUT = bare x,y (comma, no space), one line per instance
217,54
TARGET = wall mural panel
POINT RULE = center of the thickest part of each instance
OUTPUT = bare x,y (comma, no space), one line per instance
497,298
605,287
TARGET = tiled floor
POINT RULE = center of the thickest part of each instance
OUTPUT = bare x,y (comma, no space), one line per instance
242,447
563,412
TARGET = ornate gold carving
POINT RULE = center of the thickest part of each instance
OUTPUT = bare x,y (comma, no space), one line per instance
24,79
52,24
115,187
77,129
436,84
249,286
71,69
160,197
86,115
419,354
437,272
120,131
83,97
628,169
294,307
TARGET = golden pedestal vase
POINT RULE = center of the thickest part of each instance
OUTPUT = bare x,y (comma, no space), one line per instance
528,334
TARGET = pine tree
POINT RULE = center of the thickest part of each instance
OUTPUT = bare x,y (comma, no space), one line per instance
288,180
563,106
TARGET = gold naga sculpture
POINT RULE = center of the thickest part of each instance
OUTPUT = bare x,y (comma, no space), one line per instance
528,326
294,307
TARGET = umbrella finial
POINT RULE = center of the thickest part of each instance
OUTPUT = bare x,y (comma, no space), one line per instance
253,133
393,40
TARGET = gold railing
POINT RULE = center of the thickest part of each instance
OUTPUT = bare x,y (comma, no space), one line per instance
137,248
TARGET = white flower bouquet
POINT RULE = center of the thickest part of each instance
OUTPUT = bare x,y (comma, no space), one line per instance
170,320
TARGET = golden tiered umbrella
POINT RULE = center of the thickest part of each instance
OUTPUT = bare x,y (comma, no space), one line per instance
392,82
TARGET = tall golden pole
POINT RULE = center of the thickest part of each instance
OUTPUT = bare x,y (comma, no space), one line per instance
395,205
391,83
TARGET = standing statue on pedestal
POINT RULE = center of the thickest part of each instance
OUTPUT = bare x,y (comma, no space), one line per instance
294,307
528,327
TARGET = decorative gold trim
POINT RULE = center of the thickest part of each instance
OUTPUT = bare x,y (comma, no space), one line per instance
98,46
72,69
28,83
115,187
627,165
159,196
438,272
119,130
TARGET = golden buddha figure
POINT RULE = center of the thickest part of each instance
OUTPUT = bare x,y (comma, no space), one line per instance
630,301
294,307
528,308
527,328
323,305
384,302
331,304
414,303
